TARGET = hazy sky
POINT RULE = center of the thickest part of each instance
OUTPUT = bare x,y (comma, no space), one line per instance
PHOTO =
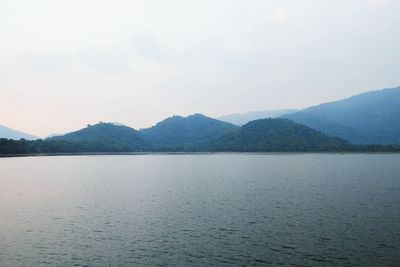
64,64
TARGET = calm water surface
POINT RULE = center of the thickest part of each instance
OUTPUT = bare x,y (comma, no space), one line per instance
216,209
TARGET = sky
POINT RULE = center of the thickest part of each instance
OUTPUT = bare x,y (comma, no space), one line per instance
68,63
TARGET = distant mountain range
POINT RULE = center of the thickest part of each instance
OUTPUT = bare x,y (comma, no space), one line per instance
201,133
195,133
364,122
9,133
242,119
368,118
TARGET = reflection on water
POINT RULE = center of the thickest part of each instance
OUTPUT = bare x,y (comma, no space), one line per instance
215,209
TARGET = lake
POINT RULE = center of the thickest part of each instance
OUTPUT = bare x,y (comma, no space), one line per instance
201,210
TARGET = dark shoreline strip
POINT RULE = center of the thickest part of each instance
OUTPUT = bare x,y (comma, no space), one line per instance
192,153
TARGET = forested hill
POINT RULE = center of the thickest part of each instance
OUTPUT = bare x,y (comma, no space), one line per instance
269,135
105,137
182,133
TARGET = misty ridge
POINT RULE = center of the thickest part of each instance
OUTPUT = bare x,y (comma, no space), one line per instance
365,122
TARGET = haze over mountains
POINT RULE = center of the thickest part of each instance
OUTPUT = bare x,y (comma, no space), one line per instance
9,133
368,118
242,119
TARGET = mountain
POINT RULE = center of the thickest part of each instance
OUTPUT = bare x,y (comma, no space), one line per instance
105,137
368,118
242,119
61,134
180,133
190,134
276,135
9,133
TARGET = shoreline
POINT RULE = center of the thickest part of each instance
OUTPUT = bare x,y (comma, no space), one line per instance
192,153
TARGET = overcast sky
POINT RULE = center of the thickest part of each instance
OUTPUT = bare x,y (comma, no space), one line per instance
64,64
